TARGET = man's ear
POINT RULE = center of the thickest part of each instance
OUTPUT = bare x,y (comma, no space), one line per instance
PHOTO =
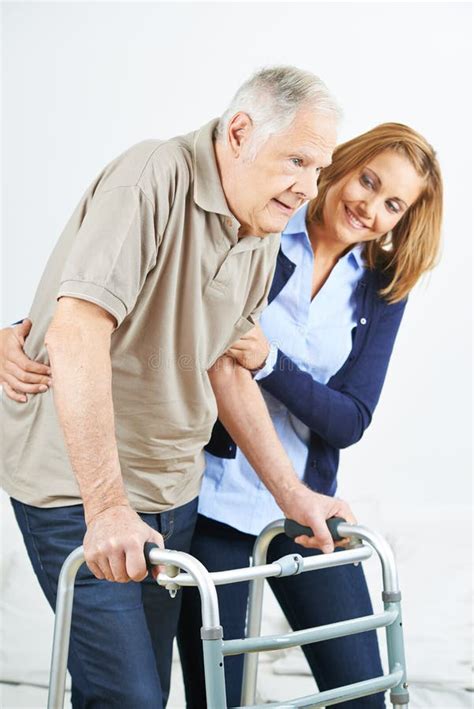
239,132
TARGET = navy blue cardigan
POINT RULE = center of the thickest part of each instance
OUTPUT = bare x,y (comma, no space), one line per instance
337,413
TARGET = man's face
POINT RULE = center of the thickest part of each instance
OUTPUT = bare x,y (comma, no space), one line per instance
269,189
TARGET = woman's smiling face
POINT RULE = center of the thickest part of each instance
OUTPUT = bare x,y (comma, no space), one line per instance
368,203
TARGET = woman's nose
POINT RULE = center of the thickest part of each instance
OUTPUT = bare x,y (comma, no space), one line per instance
367,209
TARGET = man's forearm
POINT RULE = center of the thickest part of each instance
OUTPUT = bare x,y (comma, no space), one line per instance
244,413
79,354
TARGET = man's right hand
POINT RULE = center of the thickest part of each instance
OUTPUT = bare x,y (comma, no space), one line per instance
113,545
312,509
20,375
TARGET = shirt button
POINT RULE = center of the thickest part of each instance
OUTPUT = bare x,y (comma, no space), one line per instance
228,222
363,321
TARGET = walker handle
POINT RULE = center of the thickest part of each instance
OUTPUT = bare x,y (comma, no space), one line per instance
295,529
147,547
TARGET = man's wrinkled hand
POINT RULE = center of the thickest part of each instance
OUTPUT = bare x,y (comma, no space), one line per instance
113,545
20,375
251,350
312,510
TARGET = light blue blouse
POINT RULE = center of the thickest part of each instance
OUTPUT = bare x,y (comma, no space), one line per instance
316,334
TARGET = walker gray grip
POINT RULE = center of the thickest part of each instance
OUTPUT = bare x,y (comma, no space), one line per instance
295,529
147,547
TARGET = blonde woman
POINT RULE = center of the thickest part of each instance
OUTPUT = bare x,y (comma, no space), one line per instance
347,263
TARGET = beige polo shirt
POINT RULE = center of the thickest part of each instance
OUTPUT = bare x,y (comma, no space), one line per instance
153,242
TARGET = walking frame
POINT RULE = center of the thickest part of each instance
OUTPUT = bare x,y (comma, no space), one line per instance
362,543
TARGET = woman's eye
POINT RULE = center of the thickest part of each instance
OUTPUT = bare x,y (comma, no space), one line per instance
297,161
393,207
366,181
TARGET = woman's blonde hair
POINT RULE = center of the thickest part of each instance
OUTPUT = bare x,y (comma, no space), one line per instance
412,247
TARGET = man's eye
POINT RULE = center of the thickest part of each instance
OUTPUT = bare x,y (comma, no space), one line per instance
297,161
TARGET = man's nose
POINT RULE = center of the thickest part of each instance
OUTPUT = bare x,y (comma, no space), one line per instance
307,183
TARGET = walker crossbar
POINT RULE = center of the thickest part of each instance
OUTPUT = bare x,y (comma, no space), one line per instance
340,694
219,578
215,648
310,635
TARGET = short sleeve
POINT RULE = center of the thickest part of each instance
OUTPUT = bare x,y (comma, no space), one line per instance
114,250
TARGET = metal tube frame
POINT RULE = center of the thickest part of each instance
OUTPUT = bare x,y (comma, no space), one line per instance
215,648
211,631
396,680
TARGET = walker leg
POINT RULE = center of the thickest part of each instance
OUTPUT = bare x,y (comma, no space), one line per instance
254,622
214,670
399,696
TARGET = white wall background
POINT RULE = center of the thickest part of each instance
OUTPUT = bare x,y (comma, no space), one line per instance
83,81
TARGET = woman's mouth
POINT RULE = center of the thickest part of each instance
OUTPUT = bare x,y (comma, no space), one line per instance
353,220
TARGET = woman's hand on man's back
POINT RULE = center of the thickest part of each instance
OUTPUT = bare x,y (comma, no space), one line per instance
19,375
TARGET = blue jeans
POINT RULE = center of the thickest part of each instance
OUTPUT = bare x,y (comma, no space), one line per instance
316,598
121,634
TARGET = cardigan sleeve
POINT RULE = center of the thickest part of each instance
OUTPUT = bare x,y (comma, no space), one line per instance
340,411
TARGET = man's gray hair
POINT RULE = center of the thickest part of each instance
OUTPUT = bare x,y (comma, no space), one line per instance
273,96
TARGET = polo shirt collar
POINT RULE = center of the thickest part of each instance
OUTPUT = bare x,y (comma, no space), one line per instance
208,193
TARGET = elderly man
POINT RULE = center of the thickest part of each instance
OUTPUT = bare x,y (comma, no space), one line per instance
166,261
